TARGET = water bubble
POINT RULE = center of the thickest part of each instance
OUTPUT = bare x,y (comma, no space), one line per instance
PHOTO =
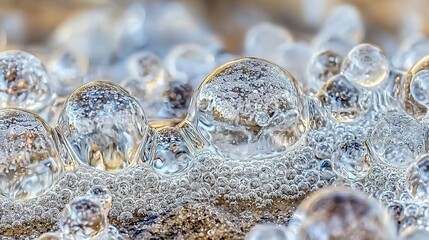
345,23
231,102
419,87
344,100
295,58
29,160
24,81
268,232
171,154
410,52
351,160
323,66
366,65
418,177
263,39
103,125
83,219
397,140
69,71
103,195
415,90
338,213
190,63
147,81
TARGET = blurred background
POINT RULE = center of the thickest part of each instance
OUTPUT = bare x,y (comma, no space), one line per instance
27,21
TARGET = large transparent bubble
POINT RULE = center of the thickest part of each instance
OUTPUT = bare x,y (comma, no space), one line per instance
249,107
29,161
103,125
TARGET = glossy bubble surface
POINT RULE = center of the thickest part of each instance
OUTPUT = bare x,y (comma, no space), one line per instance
249,107
103,125
397,140
344,100
24,81
29,160
340,213
366,65
83,219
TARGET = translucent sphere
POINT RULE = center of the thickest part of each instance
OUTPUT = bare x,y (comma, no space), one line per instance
412,50
324,66
268,232
397,140
147,81
248,107
412,233
69,70
103,195
344,22
190,63
263,39
29,160
351,160
103,125
419,87
344,100
24,81
418,177
294,58
83,219
415,90
172,154
366,65
336,213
